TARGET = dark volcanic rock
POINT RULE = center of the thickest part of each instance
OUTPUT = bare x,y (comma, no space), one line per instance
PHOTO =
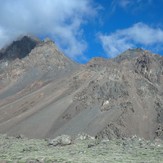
142,64
19,48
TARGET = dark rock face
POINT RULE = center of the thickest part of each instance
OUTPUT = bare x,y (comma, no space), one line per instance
18,49
50,95
142,64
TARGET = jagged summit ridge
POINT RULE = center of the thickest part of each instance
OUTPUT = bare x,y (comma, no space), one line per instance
131,54
44,62
32,48
32,53
46,53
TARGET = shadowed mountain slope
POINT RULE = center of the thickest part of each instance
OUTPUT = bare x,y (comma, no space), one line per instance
19,48
50,95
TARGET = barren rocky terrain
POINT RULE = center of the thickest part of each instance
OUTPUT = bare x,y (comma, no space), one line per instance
43,94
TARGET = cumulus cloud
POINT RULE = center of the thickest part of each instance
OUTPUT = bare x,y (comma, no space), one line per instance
59,19
139,34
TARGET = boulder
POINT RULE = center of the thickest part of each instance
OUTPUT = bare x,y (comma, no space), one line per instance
61,140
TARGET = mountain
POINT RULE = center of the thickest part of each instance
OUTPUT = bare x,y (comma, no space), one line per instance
43,63
45,94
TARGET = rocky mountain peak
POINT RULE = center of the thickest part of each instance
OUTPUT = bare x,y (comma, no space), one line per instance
48,40
19,48
142,62
31,51
29,55
46,54
130,54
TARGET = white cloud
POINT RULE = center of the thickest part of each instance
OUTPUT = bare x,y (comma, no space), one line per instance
131,6
114,45
139,34
124,3
60,19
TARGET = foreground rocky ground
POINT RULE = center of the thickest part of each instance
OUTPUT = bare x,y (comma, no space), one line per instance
83,149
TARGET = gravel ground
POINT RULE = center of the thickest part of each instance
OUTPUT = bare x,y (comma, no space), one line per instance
87,150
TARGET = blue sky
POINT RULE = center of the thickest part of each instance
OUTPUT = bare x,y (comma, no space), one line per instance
83,29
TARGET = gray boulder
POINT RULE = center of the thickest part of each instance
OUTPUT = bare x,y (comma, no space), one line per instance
61,140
